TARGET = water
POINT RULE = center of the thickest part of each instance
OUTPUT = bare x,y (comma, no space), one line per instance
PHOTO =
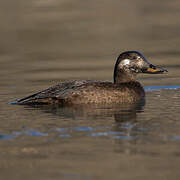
46,42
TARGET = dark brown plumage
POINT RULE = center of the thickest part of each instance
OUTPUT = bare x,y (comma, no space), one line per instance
124,89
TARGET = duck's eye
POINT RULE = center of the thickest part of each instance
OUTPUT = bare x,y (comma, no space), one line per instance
134,69
134,57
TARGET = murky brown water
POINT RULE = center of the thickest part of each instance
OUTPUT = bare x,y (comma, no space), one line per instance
45,42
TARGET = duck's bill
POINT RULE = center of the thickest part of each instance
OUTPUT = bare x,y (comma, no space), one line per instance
154,70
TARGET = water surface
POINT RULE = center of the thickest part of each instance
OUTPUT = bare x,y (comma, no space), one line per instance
47,42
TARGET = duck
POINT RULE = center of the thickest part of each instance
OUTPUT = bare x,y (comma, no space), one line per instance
124,88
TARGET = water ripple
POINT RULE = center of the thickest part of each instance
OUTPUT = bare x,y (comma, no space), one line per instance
154,88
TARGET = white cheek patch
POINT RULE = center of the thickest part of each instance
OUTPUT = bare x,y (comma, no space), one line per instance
140,63
125,62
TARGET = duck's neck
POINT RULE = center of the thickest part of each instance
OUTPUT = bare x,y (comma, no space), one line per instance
123,77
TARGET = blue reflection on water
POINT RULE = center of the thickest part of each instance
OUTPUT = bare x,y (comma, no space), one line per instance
154,88
83,128
171,138
29,132
13,101
6,137
176,138
106,133
128,125
90,132
61,129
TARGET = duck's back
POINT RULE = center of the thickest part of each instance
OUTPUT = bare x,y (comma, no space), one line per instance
87,92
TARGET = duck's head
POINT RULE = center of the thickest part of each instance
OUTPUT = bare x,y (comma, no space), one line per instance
130,63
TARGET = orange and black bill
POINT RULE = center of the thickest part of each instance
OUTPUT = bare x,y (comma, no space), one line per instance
154,70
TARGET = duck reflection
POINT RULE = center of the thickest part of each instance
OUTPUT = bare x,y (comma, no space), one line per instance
118,122
120,112
129,112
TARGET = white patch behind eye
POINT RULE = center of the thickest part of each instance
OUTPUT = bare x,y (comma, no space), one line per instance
140,63
125,62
